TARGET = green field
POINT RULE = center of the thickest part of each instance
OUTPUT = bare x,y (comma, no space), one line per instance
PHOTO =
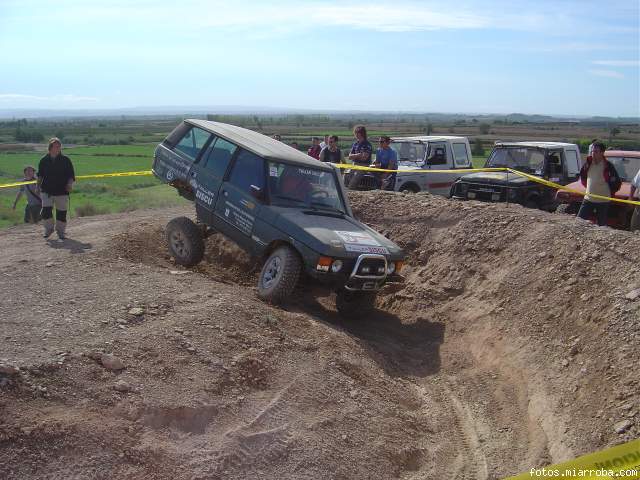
91,197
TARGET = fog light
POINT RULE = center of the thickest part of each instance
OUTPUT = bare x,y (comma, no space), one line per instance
381,270
391,267
336,266
366,270
399,266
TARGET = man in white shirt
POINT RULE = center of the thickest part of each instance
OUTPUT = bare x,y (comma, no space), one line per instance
601,179
635,188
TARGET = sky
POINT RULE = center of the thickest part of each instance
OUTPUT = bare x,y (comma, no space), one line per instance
573,57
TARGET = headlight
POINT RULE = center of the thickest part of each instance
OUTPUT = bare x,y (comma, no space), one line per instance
391,267
462,188
336,266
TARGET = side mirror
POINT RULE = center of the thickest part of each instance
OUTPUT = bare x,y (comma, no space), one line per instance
257,192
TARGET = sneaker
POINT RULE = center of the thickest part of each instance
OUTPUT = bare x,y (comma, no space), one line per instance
47,234
61,236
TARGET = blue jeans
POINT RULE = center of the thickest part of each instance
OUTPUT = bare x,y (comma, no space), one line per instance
598,209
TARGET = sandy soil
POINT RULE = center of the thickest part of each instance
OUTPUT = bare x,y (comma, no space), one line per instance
513,344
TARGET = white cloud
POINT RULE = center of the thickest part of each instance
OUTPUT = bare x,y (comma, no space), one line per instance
617,63
606,73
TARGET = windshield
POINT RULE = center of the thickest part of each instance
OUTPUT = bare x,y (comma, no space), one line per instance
295,186
528,160
626,167
409,153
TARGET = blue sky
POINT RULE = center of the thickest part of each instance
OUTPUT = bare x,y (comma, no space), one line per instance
550,57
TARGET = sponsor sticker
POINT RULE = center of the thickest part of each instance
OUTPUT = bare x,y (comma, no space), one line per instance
366,249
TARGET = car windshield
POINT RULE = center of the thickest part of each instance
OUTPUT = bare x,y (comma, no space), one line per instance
296,186
410,153
528,160
626,167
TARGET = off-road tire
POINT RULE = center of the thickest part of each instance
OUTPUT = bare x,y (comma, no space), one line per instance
410,188
185,241
279,275
355,305
532,204
568,208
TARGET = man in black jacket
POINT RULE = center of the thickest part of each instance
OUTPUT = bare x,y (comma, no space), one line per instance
55,179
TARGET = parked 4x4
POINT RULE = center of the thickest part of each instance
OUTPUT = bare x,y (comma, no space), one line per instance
627,164
425,153
553,161
284,208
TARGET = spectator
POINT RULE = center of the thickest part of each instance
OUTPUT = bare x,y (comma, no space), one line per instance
331,153
55,179
325,143
314,150
590,152
635,188
34,202
360,154
295,145
386,158
600,177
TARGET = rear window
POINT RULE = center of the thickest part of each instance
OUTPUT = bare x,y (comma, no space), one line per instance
192,142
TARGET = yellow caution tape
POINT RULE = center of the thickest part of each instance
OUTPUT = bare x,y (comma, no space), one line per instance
619,462
373,169
84,177
497,169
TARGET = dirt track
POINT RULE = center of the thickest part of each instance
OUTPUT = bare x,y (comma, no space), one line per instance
512,345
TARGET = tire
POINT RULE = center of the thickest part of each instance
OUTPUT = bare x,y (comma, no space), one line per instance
185,241
355,304
531,204
410,188
279,275
568,208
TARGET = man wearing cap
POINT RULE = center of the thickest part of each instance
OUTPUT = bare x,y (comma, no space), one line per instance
55,179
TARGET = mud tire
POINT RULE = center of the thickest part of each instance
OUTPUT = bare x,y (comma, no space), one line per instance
185,241
279,275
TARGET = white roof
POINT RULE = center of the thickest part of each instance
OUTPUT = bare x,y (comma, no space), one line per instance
427,138
536,144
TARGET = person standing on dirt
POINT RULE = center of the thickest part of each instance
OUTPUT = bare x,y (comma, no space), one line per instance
590,150
360,154
599,177
387,159
34,202
55,179
331,153
314,150
635,189
324,143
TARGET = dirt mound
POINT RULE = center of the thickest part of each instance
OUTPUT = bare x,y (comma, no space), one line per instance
512,345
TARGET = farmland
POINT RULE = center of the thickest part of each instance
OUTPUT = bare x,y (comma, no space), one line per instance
127,144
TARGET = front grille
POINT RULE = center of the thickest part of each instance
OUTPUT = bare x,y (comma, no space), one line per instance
490,193
371,267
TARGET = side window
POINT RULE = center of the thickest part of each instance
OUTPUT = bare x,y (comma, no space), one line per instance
218,156
460,155
573,162
247,170
192,142
437,154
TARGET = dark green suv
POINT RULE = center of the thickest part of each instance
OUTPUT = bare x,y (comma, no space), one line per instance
286,209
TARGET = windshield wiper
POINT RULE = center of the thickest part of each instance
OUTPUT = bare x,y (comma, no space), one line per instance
326,207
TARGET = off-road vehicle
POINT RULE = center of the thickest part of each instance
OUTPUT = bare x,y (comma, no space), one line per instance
286,209
627,164
424,153
553,161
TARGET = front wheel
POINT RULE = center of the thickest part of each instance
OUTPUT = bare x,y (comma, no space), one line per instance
185,241
279,275
355,304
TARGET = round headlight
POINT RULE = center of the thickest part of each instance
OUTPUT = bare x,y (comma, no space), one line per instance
336,266
391,267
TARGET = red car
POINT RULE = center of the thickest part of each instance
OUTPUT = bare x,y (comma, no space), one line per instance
627,164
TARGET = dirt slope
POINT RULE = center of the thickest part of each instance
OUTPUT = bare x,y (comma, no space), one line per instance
512,345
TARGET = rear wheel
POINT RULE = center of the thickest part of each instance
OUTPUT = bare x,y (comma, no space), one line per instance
185,241
355,304
531,203
568,208
410,188
279,275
